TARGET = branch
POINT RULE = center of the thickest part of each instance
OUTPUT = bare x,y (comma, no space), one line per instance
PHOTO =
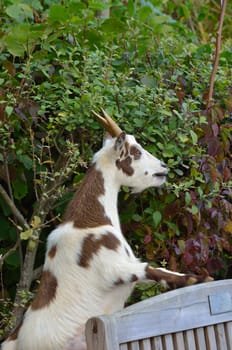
8,253
13,208
217,53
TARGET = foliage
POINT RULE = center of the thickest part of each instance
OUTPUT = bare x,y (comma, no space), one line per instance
148,63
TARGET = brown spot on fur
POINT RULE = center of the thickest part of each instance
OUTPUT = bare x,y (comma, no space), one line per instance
52,252
135,152
119,282
92,244
46,292
14,334
134,278
85,210
125,166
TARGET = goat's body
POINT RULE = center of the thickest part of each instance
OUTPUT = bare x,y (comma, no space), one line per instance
89,267
56,324
75,301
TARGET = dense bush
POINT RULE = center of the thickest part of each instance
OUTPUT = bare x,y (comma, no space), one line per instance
149,64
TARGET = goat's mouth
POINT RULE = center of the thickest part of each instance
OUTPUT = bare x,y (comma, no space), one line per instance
160,174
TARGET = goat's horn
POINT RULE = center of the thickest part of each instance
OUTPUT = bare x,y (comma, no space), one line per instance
108,123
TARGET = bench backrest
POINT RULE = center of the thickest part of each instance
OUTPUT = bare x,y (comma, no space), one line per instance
192,318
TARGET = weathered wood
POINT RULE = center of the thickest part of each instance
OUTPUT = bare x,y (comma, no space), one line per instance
193,318
156,343
134,345
190,343
210,338
179,340
145,344
200,339
220,302
168,342
101,335
124,347
228,328
220,336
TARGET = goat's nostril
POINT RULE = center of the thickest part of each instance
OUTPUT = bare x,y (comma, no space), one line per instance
163,165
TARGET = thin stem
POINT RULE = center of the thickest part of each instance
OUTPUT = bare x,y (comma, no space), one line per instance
217,54
13,208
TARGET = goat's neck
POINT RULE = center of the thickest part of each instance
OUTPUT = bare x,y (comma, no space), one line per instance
95,201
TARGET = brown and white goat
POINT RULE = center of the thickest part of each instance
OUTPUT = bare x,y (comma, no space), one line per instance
90,268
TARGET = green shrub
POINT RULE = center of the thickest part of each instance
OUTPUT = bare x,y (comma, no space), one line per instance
148,65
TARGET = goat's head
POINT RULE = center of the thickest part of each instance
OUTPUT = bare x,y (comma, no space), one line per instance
135,167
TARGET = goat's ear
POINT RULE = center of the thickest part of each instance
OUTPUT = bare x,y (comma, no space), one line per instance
120,140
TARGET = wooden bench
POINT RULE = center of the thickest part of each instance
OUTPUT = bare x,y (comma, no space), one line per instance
198,317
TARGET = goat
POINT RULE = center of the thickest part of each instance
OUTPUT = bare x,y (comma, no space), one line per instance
90,269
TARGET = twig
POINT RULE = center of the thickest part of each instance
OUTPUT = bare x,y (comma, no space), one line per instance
13,208
217,53
8,253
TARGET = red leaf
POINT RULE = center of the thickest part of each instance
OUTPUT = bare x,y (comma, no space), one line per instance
215,129
147,239
226,174
188,258
213,146
214,264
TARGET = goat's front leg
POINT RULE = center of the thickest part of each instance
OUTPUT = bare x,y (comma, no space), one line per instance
123,272
173,279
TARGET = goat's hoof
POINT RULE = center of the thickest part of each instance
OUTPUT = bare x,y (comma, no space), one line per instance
192,280
208,279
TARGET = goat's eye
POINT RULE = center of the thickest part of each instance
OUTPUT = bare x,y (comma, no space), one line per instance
134,151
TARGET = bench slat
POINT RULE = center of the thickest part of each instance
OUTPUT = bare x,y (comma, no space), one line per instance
210,338
200,339
145,344
179,340
134,345
168,341
156,343
228,328
220,336
190,343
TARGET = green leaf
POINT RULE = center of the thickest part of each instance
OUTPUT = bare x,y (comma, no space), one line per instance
148,81
113,25
194,210
21,38
157,217
194,137
179,172
20,189
58,13
25,235
98,5
25,160
188,198
20,12
9,110
13,259
36,222
173,227
136,217
14,47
